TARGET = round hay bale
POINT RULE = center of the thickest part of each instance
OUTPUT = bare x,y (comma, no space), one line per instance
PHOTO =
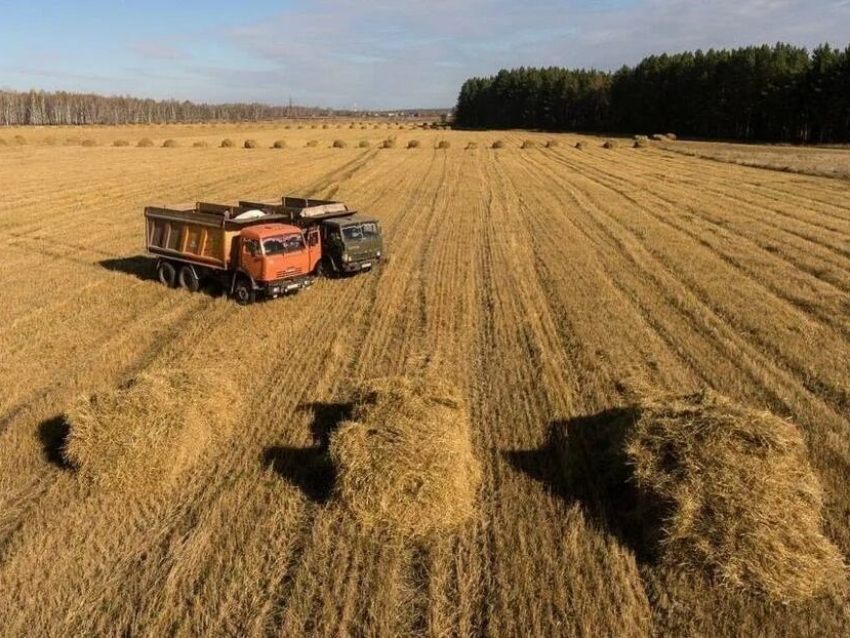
51,141
170,143
339,144
227,143
641,141
552,144
363,144
611,144
444,144
148,431
279,144
89,143
741,501
413,144
471,146
404,461
498,144
3,142
200,144
145,142
528,144
388,143
581,145
120,143
20,140
658,137
671,136
250,144
312,144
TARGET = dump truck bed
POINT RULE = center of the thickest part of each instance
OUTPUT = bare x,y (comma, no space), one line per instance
202,233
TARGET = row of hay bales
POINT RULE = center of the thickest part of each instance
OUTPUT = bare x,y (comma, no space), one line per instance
736,498
640,141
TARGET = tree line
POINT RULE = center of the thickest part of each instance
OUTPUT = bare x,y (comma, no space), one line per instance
781,93
45,108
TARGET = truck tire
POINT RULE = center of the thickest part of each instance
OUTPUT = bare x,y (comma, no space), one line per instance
166,274
319,270
188,279
243,292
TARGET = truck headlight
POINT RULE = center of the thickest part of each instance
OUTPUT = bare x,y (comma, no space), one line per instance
346,258
378,254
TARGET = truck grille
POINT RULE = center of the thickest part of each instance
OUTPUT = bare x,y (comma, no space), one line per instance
289,272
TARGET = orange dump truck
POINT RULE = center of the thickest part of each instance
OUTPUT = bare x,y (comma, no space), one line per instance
251,253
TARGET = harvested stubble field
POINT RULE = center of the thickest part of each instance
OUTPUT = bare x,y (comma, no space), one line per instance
538,284
822,160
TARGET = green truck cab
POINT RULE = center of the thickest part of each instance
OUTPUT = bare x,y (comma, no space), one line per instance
351,242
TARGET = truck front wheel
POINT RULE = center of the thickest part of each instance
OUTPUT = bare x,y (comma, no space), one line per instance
243,292
188,279
166,274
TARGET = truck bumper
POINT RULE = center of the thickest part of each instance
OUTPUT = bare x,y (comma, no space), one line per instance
286,286
361,266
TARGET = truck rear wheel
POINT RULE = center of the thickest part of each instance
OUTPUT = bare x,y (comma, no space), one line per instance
166,274
188,279
243,292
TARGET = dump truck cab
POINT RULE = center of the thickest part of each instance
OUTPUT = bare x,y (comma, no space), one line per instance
276,257
351,244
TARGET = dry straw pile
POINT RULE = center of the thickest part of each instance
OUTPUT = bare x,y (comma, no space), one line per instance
744,504
404,461
150,430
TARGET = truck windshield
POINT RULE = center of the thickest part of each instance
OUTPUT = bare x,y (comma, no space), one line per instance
356,232
283,244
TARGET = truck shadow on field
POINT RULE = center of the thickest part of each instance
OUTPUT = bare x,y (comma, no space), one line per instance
139,266
310,469
53,435
584,461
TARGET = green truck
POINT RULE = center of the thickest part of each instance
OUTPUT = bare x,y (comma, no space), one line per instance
351,242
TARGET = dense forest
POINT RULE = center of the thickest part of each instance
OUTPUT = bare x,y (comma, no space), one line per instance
774,94
39,107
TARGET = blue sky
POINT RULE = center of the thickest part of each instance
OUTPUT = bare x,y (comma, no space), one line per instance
367,54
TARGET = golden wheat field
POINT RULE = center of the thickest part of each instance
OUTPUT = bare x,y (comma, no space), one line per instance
539,284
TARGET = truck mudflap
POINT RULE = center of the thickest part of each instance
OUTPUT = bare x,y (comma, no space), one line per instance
282,287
